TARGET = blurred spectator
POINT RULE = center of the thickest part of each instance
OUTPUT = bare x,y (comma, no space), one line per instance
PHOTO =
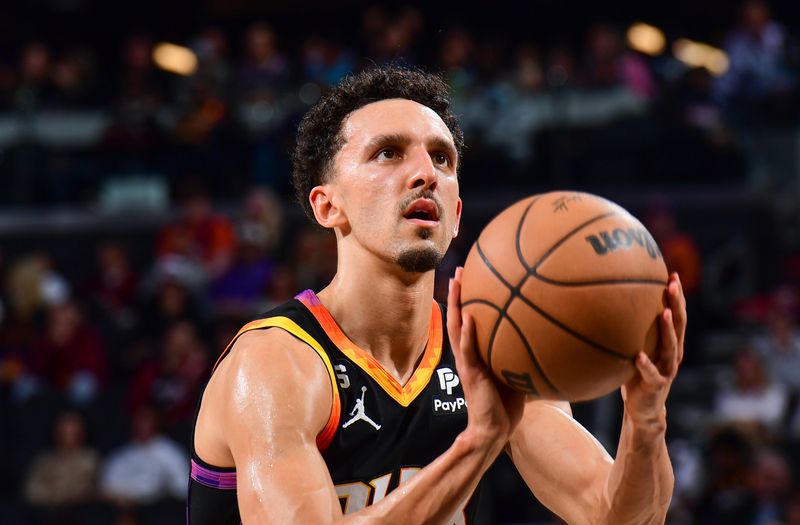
73,79
689,102
528,74
173,299
373,22
67,474
263,79
203,98
680,251
172,381
282,287
142,86
262,220
726,499
70,357
24,300
203,113
111,290
313,258
504,115
133,142
240,290
266,103
779,346
265,67
29,285
561,68
33,284
213,63
455,60
148,468
199,235
770,485
608,64
756,50
392,36
34,87
401,36
325,61
753,399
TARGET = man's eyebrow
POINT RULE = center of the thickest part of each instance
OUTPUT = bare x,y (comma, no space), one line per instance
388,140
400,139
443,144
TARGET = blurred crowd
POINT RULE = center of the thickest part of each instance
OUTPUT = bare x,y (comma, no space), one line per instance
124,347
103,354
73,121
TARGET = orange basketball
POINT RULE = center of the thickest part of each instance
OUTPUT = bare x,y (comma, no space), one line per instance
565,289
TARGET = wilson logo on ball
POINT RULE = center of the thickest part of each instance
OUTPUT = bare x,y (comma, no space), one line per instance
624,239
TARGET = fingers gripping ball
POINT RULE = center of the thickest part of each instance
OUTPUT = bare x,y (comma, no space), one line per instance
565,289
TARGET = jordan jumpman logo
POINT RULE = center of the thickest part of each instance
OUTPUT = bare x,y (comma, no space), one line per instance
360,413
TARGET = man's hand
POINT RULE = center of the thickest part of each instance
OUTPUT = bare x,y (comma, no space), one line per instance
646,393
494,409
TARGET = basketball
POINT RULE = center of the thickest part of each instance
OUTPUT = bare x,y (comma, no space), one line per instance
565,289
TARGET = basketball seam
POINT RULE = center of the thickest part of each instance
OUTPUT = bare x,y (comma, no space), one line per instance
654,282
577,334
501,310
519,234
522,337
514,291
492,268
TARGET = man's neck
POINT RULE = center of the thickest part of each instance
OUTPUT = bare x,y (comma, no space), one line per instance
386,314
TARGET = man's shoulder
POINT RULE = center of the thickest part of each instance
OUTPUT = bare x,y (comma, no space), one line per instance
269,344
274,358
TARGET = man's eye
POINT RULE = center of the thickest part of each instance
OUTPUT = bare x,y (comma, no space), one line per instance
441,158
387,153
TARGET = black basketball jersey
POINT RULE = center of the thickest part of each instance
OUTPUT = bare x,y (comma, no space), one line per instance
379,433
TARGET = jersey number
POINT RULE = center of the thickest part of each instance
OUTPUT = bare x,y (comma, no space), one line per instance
356,495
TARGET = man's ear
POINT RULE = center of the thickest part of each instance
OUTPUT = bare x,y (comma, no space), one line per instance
458,218
323,204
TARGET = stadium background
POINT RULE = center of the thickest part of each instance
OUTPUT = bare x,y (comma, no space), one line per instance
145,213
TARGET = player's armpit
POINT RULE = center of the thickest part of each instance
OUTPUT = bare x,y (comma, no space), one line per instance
562,463
278,400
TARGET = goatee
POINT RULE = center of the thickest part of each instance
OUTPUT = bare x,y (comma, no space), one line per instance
419,260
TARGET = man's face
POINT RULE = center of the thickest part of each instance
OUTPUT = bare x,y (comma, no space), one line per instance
395,182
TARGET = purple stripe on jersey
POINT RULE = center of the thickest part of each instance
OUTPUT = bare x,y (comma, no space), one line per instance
213,478
308,297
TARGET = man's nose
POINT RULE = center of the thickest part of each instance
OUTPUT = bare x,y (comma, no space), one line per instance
423,174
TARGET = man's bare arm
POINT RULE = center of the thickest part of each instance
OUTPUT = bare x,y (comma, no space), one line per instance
570,471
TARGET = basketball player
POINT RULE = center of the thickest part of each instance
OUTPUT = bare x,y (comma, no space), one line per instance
354,405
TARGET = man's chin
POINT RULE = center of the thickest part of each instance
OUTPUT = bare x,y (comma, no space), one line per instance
419,260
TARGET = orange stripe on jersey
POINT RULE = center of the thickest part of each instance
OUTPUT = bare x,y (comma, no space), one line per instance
325,436
403,394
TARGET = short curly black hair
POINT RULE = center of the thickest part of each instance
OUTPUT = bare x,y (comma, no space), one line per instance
319,136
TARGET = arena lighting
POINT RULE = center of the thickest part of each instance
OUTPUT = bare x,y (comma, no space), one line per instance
697,54
646,39
175,59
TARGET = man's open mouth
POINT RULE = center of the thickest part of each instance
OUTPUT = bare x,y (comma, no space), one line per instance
422,211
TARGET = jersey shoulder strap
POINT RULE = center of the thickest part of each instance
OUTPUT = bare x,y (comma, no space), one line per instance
290,318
